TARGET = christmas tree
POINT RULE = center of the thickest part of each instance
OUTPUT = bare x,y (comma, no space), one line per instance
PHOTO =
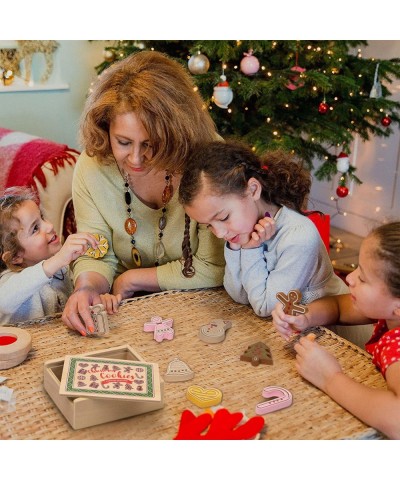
306,97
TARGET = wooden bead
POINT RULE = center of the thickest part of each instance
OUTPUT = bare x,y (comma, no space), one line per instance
130,226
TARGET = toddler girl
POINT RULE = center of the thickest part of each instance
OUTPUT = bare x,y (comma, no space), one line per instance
374,298
256,206
34,278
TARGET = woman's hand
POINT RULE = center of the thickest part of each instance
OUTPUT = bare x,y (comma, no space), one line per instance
76,314
287,325
315,363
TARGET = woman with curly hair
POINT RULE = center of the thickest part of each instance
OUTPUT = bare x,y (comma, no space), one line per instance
140,123
256,205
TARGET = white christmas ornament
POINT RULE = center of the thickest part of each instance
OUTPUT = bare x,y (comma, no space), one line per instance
198,64
376,90
223,94
342,162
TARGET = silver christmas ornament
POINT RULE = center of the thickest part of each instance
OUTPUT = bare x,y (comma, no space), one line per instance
198,64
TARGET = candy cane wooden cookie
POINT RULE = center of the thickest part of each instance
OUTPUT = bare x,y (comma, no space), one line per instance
101,248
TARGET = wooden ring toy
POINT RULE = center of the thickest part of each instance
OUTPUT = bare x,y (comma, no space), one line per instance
15,345
102,247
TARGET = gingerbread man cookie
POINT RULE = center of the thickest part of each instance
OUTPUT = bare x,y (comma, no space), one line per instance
162,328
291,302
214,332
101,249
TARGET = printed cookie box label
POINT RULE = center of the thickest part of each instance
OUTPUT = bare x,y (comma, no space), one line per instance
108,378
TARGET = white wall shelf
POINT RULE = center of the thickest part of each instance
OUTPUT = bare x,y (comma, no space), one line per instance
33,88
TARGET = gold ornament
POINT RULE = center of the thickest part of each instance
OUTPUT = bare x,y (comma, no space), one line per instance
8,77
198,64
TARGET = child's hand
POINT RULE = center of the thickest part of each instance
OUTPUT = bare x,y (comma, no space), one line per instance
315,363
75,245
111,302
287,325
264,229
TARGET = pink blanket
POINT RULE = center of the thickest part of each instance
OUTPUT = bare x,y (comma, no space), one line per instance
22,157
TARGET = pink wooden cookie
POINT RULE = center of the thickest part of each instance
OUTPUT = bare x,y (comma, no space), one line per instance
162,328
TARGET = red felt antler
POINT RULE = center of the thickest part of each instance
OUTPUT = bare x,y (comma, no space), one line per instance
222,426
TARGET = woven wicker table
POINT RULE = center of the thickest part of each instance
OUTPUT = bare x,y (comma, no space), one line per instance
313,415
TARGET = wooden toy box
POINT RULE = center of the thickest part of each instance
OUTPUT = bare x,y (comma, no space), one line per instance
84,412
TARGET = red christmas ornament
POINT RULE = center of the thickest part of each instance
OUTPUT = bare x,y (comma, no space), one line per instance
386,121
342,191
323,107
294,82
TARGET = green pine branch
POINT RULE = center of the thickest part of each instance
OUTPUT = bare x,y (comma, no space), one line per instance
267,115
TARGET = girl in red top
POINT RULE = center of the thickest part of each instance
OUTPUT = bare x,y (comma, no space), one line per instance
374,298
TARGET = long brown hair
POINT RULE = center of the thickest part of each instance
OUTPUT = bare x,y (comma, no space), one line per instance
162,94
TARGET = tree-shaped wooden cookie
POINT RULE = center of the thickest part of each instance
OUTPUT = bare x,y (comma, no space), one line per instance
257,353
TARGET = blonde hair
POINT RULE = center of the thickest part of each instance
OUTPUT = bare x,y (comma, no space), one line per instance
10,202
162,94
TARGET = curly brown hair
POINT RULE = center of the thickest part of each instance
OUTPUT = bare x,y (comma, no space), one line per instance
388,237
162,94
10,202
229,165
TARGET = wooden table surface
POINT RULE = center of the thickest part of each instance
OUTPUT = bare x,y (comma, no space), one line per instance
313,415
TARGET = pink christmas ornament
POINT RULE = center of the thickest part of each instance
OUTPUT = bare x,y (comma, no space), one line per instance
249,64
294,83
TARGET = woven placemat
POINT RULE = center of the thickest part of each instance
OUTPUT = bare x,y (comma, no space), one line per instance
313,415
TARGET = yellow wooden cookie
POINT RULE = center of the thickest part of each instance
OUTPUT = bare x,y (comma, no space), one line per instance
204,397
101,249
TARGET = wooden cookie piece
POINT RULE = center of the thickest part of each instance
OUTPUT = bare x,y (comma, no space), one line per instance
100,320
257,353
102,247
204,397
162,328
214,332
291,302
178,371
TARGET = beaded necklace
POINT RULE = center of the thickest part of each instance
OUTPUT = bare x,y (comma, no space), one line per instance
131,224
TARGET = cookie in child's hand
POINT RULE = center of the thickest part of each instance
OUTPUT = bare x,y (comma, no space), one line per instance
101,248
